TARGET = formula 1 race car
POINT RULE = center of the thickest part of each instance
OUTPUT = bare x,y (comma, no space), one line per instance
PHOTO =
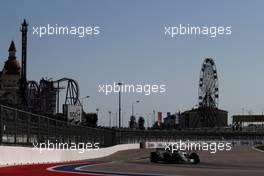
176,157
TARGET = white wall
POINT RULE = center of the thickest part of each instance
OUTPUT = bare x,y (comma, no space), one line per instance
26,155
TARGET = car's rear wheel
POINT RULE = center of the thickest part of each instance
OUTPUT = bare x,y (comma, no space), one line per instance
167,158
154,157
176,158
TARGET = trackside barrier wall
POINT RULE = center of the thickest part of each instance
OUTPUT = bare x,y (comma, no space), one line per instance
27,155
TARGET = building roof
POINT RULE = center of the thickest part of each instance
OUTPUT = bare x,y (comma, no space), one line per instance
248,118
12,46
197,109
24,23
12,66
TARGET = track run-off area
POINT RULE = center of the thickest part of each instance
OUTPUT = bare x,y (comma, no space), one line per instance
241,160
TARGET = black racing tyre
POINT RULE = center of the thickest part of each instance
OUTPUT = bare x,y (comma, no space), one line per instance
154,157
195,157
176,158
167,158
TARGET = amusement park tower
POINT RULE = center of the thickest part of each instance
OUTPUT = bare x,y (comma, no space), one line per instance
23,81
24,30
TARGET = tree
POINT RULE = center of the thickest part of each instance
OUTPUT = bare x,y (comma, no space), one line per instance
132,122
156,125
159,126
90,119
141,123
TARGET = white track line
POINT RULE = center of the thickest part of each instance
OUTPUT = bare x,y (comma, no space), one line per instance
149,174
254,148
80,169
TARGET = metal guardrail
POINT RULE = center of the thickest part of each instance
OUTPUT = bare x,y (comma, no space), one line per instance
18,127
132,136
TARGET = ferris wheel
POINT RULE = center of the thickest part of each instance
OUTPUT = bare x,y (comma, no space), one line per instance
208,85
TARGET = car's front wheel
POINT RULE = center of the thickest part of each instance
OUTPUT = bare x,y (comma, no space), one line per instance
195,157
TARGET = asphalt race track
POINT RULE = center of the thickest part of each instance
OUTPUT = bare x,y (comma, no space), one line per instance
239,161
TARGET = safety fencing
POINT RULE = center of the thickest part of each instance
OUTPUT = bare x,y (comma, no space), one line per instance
22,128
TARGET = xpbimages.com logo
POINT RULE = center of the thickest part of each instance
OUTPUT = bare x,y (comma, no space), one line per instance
79,31
211,147
146,89
79,147
183,30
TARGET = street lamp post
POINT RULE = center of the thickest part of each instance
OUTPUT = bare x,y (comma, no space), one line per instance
83,99
133,106
110,118
97,112
119,108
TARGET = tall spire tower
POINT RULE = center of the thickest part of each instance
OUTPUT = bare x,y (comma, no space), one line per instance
23,80
24,30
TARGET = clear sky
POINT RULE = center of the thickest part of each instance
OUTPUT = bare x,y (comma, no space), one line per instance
132,48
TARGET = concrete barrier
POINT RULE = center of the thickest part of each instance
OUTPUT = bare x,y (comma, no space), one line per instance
12,155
